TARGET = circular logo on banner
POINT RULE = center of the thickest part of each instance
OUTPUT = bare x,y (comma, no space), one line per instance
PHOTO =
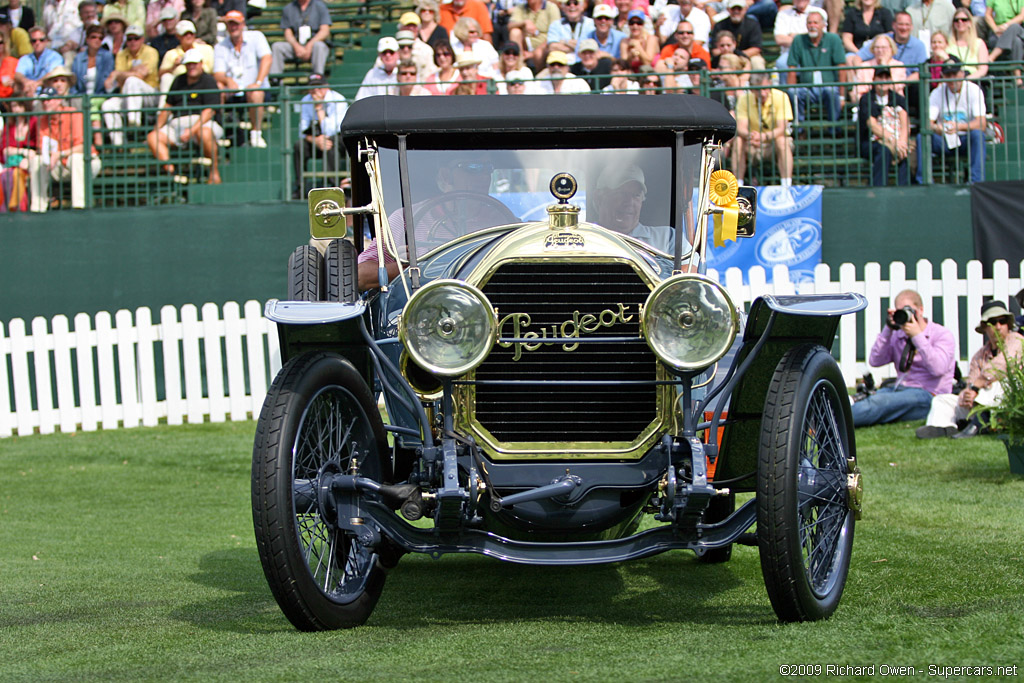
783,201
789,242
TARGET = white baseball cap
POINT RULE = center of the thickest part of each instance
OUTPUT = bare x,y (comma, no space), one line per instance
387,43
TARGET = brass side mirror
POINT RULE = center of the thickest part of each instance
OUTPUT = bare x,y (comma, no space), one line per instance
327,213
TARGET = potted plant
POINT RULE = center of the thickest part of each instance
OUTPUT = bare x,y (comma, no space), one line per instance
1008,416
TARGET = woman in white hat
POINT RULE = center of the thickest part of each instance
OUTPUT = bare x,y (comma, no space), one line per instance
983,388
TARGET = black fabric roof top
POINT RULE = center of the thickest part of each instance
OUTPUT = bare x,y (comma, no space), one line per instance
524,114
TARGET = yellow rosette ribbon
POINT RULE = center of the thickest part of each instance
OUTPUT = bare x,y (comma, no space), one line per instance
724,191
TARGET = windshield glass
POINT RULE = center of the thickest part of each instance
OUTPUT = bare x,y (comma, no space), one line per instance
457,192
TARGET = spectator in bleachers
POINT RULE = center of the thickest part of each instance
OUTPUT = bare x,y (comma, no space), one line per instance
62,153
321,112
528,27
68,38
957,120
468,38
203,18
561,81
114,26
939,55
668,23
408,75
608,37
883,48
1002,31
42,60
823,51
92,66
415,50
59,15
639,48
241,65
884,130
931,15
60,79
571,29
8,71
21,15
516,87
727,80
167,38
746,30
591,67
471,81
622,82
511,67
650,83
965,45
187,118
135,74
725,44
307,35
909,50
452,11
382,76
19,142
684,38
158,11
675,67
623,8
446,79
865,20
17,40
430,32
791,22
763,117
173,63
131,12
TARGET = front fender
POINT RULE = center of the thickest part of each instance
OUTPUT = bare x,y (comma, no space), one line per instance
329,325
798,320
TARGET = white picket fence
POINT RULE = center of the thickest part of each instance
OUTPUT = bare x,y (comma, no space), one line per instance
126,372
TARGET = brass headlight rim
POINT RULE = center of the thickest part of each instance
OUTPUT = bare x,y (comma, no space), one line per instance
491,336
659,291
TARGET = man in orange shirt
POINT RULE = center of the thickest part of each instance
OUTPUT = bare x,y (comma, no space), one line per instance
684,39
452,11
62,153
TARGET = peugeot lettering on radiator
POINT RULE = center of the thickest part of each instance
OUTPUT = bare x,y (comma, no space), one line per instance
518,325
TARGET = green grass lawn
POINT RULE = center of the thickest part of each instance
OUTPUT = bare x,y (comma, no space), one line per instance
130,555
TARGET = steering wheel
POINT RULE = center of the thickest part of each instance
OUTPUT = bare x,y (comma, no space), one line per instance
453,214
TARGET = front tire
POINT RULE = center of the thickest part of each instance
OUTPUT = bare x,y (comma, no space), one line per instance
318,416
804,520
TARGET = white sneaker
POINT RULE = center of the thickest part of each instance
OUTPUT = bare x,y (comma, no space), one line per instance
256,139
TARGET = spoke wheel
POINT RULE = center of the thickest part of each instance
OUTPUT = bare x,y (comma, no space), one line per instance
318,417
804,521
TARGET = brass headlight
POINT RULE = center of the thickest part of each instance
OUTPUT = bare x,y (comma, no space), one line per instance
689,322
448,327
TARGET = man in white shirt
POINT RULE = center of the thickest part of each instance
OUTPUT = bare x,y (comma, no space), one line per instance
574,26
957,113
669,16
241,66
321,112
382,77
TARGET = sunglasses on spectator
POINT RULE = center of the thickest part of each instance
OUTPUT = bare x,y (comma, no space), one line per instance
602,18
636,22
684,33
406,73
38,40
572,2
957,20
133,37
387,52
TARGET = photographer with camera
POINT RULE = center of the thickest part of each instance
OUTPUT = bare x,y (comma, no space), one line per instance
987,366
923,353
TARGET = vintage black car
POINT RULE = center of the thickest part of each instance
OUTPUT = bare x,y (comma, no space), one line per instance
563,384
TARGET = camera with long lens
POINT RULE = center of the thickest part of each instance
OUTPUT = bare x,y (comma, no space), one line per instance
903,316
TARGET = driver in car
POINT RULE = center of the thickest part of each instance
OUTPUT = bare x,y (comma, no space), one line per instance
464,206
621,191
